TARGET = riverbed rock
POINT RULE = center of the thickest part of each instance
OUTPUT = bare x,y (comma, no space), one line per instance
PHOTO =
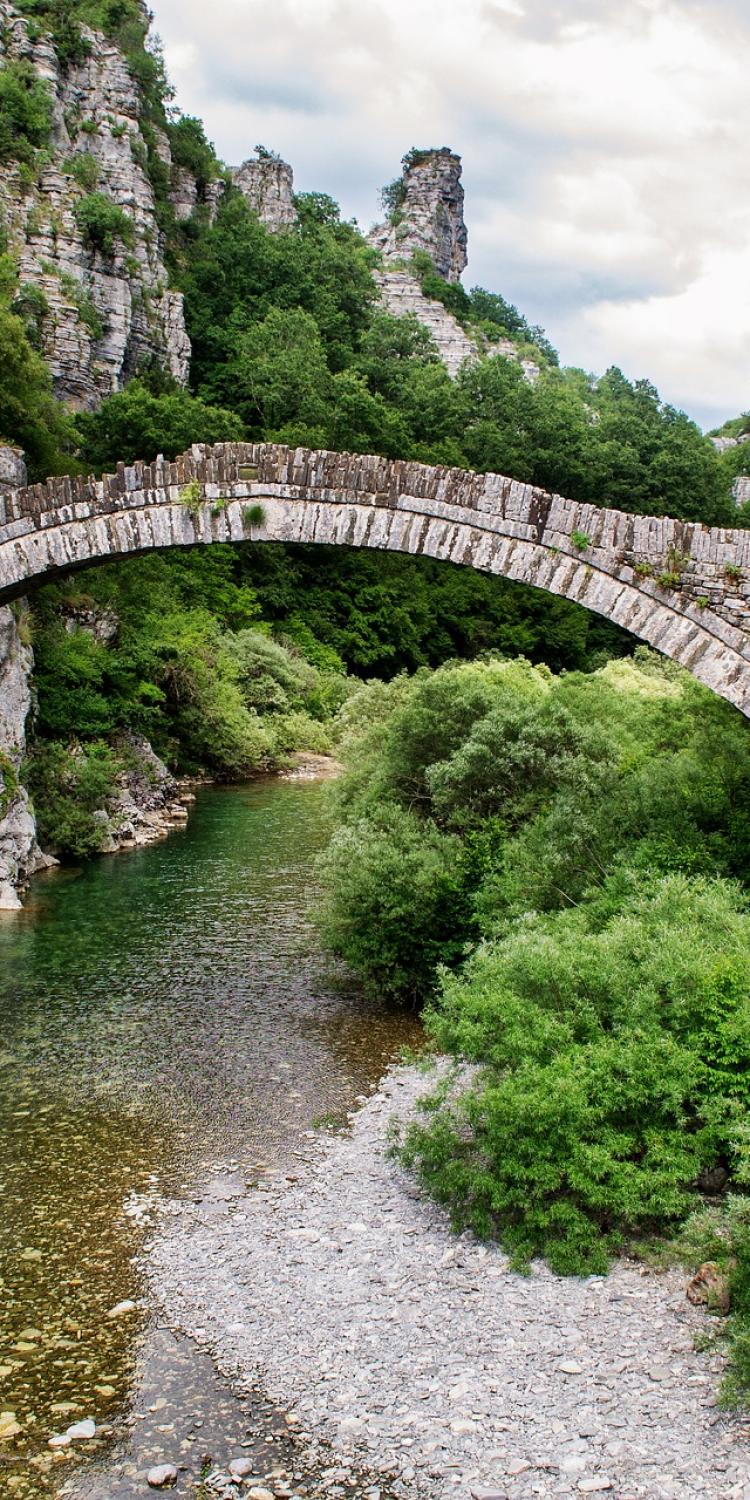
348,1297
82,1431
239,1468
161,1476
709,1287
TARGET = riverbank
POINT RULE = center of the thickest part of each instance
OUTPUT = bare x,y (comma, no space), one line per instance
418,1353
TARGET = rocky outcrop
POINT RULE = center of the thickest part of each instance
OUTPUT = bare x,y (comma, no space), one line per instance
149,802
427,214
101,314
20,855
741,489
267,185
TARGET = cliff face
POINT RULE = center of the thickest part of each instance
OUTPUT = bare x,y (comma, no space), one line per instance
267,184
20,855
428,214
106,313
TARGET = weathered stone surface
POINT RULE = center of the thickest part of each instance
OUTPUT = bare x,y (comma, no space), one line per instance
741,489
106,314
430,216
20,855
609,561
13,474
401,294
267,184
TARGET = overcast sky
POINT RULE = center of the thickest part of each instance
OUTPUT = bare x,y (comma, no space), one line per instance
605,150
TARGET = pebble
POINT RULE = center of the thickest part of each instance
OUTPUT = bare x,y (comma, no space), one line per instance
161,1475
420,1355
80,1431
240,1467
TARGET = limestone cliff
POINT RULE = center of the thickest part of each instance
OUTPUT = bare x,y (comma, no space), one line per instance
267,184
105,310
426,213
20,855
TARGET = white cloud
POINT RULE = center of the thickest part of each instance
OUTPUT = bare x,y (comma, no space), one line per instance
604,151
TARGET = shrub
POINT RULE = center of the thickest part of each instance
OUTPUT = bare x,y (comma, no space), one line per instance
83,167
253,515
399,908
609,1067
69,784
581,540
25,111
102,223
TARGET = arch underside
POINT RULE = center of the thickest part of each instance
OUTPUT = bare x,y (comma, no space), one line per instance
700,641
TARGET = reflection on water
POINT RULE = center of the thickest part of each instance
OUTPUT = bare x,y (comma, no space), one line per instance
161,1013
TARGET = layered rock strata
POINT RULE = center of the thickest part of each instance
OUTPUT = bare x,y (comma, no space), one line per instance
428,214
401,294
267,185
104,314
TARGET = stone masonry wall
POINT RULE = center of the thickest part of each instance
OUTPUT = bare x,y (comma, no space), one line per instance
682,587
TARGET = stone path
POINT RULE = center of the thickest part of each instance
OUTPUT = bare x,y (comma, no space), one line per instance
418,1353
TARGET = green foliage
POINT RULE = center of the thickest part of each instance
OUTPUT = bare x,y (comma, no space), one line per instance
581,540
82,300
69,785
30,416
192,151
84,169
31,305
102,223
398,907
253,515
137,424
552,784
609,1066
25,111
382,613
9,783
186,666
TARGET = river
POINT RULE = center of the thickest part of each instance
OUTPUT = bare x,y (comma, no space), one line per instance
168,1022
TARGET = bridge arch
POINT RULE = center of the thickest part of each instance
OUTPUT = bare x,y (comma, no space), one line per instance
682,587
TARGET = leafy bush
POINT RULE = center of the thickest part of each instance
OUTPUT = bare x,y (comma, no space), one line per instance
192,151
84,169
69,785
102,223
610,1066
399,908
25,111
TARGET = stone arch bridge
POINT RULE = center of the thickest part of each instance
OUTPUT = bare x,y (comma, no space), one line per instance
682,587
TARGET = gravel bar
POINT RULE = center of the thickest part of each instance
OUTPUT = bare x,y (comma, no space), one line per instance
419,1354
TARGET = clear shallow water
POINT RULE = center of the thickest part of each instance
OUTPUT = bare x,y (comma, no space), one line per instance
164,1015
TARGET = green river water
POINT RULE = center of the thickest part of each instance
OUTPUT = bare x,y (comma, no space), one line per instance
166,1017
